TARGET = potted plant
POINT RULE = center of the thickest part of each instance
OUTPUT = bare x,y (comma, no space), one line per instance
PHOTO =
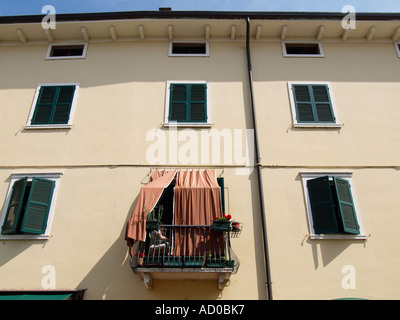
236,226
222,223
193,261
172,261
153,218
215,261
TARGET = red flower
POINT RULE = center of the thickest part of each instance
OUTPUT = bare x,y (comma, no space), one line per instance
229,217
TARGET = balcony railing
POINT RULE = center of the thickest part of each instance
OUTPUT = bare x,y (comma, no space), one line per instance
184,249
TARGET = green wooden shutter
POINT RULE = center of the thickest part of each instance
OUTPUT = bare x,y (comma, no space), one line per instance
322,205
44,105
346,206
198,103
177,106
62,106
302,97
222,186
313,103
14,207
322,103
38,206
53,105
188,103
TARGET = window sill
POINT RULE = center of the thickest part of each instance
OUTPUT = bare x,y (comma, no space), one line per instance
338,237
24,237
49,126
65,58
317,125
188,124
303,56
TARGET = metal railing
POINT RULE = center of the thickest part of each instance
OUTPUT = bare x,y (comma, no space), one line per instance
185,246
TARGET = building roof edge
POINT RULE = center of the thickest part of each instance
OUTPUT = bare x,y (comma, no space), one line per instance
273,15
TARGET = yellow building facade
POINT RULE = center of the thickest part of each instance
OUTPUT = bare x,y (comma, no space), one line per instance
88,114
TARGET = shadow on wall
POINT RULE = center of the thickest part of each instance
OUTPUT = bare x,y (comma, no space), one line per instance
113,279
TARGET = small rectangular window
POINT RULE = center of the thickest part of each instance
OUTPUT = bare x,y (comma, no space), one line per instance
302,49
397,48
193,49
66,51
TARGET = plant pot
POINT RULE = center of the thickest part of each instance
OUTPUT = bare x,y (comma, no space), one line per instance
220,263
193,262
150,261
215,263
221,225
152,225
172,262
230,263
236,226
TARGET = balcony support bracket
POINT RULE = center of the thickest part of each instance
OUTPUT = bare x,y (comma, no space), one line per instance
148,280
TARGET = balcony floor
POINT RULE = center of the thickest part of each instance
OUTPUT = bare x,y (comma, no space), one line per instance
222,275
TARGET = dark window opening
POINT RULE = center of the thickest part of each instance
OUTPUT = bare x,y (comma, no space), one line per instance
165,206
189,48
67,51
302,48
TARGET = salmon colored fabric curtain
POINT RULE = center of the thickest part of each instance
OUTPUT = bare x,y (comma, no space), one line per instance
197,198
148,198
197,201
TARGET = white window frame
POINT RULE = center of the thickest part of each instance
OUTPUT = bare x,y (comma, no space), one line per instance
287,55
305,176
206,42
54,176
52,126
396,46
297,124
51,45
168,123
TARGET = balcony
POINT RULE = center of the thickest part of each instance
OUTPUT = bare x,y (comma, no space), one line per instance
181,252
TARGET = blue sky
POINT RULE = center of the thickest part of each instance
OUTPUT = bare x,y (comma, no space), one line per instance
30,7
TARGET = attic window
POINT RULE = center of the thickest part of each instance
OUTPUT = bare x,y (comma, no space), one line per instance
291,49
193,49
68,51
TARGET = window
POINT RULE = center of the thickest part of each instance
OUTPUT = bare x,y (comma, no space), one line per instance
29,206
66,51
302,49
312,105
331,206
397,47
187,104
184,48
53,106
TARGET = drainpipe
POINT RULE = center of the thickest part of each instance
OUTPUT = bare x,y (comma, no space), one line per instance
258,164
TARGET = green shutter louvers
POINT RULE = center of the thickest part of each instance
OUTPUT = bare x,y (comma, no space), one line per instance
322,205
332,206
346,206
53,105
188,102
313,103
29,206
38,206
14,207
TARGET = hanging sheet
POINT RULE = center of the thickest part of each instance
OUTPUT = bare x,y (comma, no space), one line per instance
197,201
147,199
